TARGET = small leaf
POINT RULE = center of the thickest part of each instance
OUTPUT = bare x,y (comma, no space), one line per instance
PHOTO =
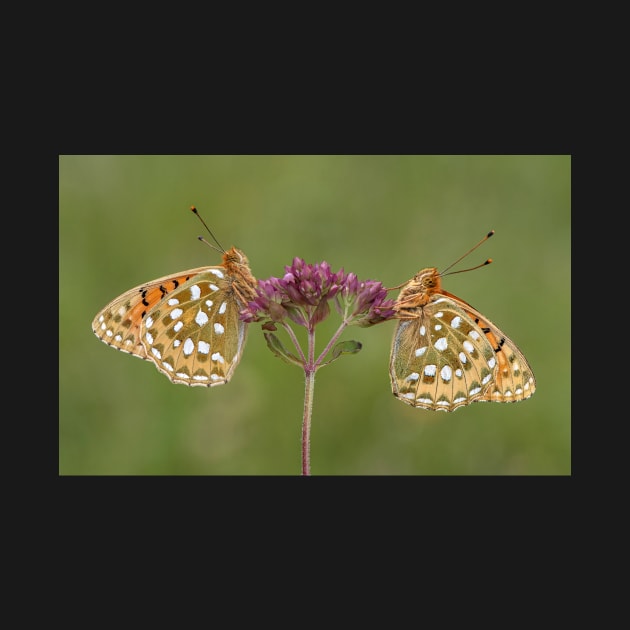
275,345
346,347
343,347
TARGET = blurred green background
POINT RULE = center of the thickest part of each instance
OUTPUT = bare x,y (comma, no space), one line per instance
124,220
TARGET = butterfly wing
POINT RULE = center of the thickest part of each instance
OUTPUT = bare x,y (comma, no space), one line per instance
118,324
194,335
446,355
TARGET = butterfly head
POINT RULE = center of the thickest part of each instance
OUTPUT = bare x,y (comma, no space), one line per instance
235,257
418,291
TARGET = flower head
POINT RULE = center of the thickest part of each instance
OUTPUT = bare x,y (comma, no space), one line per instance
304,292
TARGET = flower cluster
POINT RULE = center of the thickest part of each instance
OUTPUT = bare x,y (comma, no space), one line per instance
304,292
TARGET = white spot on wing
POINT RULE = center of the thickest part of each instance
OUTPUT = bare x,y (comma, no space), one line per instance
456,321
203,347
189,346
176,312
441,343
195,292
423,330
201,318
173,302
446,373
474,334
148,322
468,346
421,351
218,328
216,272
218,358
156,353
414,376
149,338
222,308
430,370
178,326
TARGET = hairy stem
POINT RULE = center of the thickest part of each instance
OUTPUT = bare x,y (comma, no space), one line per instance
309,388
329,345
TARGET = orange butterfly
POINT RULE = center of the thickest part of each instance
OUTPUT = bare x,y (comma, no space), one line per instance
445,354
186,323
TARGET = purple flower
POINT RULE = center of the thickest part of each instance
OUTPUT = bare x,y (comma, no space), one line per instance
304,292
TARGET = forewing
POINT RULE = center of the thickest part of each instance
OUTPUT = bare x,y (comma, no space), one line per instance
195,336
118,324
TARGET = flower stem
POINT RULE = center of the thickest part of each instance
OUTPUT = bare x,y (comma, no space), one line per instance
309,387
310,367
330,344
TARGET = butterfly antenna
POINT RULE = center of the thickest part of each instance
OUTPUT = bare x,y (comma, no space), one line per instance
487,262
202,239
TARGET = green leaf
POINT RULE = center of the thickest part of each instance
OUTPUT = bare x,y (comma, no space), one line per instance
343,347
275,345
346,347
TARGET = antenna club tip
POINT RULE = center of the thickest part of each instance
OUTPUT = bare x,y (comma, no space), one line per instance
193,209
200,238
490,233
488,261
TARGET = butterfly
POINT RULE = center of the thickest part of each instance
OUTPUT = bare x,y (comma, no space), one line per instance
445,354
186,323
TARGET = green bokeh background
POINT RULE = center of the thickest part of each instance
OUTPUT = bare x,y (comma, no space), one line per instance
124,220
